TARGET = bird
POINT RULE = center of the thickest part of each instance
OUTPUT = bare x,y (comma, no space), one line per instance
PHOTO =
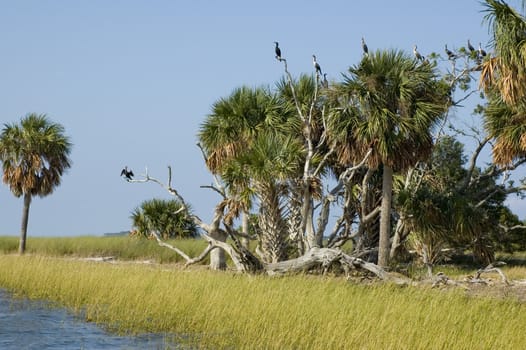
316,65
418,56
470,47
325,81
482,53
364,47
278,51
128,174
450,54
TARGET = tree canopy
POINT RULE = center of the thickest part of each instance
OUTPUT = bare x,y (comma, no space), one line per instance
34,155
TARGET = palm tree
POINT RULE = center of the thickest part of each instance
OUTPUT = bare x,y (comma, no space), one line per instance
393,102
503,78
229,131
163,216
506,70
228,134
270,163
34,156
233,123
248,142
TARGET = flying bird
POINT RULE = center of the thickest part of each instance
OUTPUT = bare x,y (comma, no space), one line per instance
278,51
450,54
364,47
128,174
316,65
418,56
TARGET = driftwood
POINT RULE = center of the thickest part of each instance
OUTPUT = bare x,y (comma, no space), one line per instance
492,268
325,257
442,279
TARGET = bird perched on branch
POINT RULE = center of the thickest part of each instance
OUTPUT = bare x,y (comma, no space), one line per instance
417,54
128,174
482,53
450,54
364,47
316,65
325,82
278,51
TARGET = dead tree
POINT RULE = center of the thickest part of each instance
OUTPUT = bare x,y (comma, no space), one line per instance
245,261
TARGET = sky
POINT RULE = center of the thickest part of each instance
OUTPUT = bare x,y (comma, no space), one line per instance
131,81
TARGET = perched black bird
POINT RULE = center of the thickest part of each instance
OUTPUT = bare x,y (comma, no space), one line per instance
482,53
278,51
128,174
364,47
470,47
418,56
450,54
316,65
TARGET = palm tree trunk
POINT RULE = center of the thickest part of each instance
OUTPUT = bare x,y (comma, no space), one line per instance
273,227
25,218
385,217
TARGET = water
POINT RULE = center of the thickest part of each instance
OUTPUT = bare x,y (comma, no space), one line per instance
28,324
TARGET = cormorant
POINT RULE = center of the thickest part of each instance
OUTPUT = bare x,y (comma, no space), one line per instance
418,56
470,47
364,47
127,173
325,81
278,51
316,65
482,53
450,54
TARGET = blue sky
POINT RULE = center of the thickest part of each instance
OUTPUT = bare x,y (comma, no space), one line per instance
131,81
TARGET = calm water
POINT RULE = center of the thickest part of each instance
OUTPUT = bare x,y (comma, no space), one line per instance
27,324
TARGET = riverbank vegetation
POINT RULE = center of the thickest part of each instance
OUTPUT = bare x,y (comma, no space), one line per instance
216,310
116,247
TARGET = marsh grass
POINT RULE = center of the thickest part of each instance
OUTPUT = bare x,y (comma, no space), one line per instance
119,247
218,310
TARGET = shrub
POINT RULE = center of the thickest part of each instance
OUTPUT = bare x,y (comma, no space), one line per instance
163,216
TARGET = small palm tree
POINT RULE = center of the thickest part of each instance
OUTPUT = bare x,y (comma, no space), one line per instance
34,156
163,216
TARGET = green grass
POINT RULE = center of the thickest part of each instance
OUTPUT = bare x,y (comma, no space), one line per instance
120,247
217,310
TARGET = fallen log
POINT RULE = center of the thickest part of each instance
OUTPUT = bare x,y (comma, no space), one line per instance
325,257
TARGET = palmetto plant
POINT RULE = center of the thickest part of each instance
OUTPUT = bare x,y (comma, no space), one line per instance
34,156
163,216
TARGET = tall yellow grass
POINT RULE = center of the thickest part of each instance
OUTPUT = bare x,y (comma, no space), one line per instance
120,247
218,310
